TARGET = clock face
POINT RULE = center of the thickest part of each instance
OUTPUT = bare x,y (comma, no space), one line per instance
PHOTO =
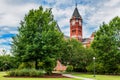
76,20
73,22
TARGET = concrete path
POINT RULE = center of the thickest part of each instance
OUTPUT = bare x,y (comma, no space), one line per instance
71,76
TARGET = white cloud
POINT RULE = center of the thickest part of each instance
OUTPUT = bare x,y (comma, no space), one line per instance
64,2
2,41
6,40
66,31
112,3
7,30
104,14
12,14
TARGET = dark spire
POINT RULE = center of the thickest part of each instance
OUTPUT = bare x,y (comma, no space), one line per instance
76,13
76,5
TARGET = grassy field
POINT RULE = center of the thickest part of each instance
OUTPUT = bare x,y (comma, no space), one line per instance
4,78
98,77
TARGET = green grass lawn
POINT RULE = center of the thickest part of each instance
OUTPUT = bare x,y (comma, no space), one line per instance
4,78
98,77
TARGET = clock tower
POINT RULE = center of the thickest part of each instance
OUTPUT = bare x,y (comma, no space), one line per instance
76,25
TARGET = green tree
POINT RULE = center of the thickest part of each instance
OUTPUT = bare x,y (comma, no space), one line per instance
7,62
38,37
74,54
106,46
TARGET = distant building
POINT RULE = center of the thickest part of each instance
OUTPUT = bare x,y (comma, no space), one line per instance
60,67
87,41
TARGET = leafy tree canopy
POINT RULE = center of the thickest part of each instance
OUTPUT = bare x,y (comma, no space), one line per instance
106,45
76,55
38,37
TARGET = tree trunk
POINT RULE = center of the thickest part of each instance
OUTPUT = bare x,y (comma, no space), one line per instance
36,64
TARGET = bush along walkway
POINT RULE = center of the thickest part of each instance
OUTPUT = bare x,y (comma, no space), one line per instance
82,78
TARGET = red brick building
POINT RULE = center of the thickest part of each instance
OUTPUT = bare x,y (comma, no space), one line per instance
76,29
76,25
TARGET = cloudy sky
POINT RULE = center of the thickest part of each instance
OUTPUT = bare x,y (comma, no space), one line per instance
93,12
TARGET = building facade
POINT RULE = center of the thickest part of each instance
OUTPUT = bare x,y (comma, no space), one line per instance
76,29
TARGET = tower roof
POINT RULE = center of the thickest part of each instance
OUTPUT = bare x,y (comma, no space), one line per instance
76,13
58,28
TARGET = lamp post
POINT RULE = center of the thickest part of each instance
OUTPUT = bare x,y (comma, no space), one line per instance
94,65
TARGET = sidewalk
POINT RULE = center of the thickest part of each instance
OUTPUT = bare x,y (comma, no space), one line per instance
71,76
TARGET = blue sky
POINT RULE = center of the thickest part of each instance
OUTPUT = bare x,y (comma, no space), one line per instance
93,13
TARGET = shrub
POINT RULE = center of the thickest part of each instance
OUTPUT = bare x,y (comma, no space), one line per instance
26,65
26,72
69,68
36,73
99,68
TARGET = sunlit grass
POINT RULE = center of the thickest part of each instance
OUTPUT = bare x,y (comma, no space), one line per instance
98,77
